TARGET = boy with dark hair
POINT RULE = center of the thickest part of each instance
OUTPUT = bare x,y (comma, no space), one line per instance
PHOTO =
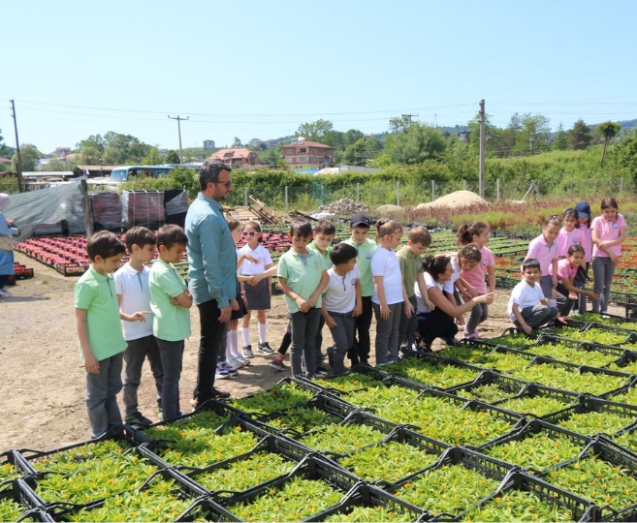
359,228
323,235
342,302
99,331
302,278
170,301
528,308
412,269
133,294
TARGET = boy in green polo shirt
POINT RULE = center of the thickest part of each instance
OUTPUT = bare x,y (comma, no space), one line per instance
170,301
323,235
359,229
97,318
302,278
411,266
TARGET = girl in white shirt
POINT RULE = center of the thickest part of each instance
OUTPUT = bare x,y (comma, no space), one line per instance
388,294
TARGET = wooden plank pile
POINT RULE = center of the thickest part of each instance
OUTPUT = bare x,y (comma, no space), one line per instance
257,211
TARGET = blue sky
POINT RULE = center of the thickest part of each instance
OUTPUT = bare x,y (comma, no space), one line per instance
259,69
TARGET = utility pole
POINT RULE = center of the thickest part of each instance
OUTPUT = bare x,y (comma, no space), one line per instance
409,116
17,147
179,119
483,147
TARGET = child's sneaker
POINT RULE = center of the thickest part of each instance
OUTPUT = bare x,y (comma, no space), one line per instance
138,419
219,394
247,352
322,372
264,348
471,335
236,362
221,372
232,372
244,361
279,365
5,293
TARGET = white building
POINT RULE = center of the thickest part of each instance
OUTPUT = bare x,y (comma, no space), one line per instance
208,144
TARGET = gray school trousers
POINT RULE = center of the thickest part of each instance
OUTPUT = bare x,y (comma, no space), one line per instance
343,335
101,396
134,355
387,333
304,329
538,315
603,272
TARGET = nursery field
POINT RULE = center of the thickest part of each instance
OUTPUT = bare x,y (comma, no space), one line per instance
512,428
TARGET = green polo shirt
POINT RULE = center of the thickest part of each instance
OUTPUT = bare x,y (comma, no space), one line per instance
366,251
302,274
95,293
326,256
411,266
171,322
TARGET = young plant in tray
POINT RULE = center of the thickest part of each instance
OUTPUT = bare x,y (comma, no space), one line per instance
245,474
517,505
587,316
629,397
390,461
536,452
580,357
598,481
7,472
591,423
382,397
565,379
513,341
302,420
628,440
537,405
488,393
10,510
369,514
451,489
342,439
593,335
474,355
442,376
349,382
160,502
298,499
278,398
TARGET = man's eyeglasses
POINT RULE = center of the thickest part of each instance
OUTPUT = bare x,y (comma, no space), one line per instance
227,184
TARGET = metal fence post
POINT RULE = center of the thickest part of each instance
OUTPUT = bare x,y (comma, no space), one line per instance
433,190
322,194
464,185
286,200
621,186
245,196
397,193
358,192
571,188
498,189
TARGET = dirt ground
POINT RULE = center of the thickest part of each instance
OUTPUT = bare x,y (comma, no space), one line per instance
42,378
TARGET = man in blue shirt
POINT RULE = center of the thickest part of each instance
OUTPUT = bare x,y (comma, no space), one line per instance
212,272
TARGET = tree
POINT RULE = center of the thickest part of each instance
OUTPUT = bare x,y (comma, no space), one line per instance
90,154
29,155
361,151
579,137
560,143
536,132
237,142
418,143
624,154
172,156
400,123
153,157
5,150
351,137
95,142
609,130
315,131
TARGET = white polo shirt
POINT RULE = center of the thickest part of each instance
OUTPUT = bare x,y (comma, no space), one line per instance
133,287
340,294
525,296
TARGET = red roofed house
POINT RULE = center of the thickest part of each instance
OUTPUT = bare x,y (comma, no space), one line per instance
238,157
303,154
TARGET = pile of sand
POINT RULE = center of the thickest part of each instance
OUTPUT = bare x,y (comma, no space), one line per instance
453,200
390,210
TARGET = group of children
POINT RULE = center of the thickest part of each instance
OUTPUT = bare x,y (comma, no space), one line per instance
414,300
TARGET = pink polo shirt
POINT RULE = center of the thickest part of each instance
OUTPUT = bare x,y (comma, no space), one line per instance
587,242
608,231
564,270
543,253
475,277
565,239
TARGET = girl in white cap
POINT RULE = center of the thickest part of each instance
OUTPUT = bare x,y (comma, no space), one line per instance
6,256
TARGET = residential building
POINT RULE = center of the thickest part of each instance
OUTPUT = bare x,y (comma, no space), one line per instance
255,142
208,145
304,154
271,144
237,157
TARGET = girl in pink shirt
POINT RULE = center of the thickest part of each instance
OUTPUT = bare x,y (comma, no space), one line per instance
478,233
566,271
544,249
584,217
609,231
570,233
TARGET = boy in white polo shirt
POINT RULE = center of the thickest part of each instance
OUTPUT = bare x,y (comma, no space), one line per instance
133,294
528,308
342,302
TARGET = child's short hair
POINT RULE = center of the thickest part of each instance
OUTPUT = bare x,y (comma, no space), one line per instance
300,228
386,228
436,265
467,231
470,253
169,235
139,236
575,248
233,223
572,213
531,263
609,201
325,226
553,220
104,244
342,253
420,235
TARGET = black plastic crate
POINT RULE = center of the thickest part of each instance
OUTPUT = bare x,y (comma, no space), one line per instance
311,468
609,350
534,390
587,405
22,495
287,449
369,496
22,466
184,490
508,385
622,463
581,509
485,466
211,510
538,427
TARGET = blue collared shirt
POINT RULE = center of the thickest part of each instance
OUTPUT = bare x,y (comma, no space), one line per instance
212,255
